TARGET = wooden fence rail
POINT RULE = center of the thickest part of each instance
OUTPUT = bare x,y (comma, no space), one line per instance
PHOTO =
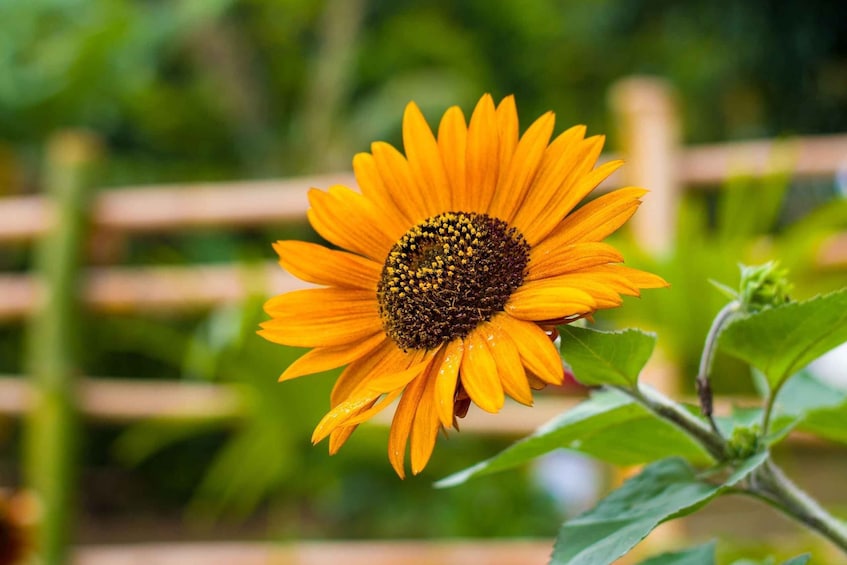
158,208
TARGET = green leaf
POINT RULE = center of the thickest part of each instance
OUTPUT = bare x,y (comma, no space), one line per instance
829,423
664,490
805,393
609,426
812,406
782,340
700,555
606,358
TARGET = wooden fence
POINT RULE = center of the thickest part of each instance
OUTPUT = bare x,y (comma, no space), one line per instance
644,108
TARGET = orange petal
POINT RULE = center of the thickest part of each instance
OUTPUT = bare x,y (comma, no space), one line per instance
356,407
339,415
546,300
426,424
538,353
321,317
482,158
397,176
447,379
599,218
374,188
479,374
326,358
317,264
349,220
558,160
546,260
507,357
579,181
425,161
452,144
339,436
515,180
385,358
637,277
508,132
401,425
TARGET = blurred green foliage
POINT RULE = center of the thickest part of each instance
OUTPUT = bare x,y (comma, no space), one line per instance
234,88
186,90
745,222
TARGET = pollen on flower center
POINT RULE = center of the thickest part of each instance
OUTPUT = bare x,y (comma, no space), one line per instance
447,275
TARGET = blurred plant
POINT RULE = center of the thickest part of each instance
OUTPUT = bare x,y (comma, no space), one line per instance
267,462
742,222
194,88
264,451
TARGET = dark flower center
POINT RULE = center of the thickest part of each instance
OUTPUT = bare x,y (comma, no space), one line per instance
447,275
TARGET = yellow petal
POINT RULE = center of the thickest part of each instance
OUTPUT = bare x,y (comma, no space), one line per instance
397,176
538,353
357,407
573,187
426,424
447,379
605,283
425,160
452,144
326,358
401,425
388,381
508,130
639,278
507,357
545,260
545,300
339,415
338,437
559,159
482,158
508,126
479,374
321,317
369,412
349,220
374,188
317,264
515,180
599,218
387,357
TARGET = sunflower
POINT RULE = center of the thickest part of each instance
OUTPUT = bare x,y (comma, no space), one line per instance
454,264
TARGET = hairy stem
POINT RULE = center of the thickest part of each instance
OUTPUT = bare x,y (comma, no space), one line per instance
668,410
770,483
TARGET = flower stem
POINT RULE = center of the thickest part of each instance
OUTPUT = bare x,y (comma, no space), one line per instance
770,483
769,403
704,388
668,410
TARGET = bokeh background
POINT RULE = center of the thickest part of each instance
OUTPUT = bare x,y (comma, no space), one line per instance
212,90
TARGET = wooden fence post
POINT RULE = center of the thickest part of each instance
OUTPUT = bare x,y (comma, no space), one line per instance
53,340
648,126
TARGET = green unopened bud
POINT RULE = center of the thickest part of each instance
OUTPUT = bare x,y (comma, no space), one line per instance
763,286
744,441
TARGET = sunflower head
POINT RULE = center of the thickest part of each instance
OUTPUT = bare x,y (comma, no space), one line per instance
452,265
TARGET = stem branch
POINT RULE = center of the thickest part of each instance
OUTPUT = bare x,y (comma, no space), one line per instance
668,410
704,388
770,483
